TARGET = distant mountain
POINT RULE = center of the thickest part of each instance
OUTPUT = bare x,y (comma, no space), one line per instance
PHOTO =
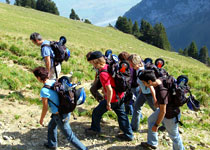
184,20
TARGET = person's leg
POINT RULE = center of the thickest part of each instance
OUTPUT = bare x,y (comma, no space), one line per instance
63,124
137,112
152,137
94,90
123,120
52,72
173,131
52,133
97,115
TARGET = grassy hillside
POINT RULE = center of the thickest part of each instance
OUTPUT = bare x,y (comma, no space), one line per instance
19,55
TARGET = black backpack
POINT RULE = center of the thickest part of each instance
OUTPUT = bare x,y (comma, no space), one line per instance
59,49
177,89
121,75
67,98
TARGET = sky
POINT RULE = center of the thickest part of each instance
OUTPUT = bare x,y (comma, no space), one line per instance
99,12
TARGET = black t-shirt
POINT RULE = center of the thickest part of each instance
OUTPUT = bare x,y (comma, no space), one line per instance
163,97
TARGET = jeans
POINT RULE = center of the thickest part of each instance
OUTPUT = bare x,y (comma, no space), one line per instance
129,109
171,127
137,115
122,118
63,123
94,90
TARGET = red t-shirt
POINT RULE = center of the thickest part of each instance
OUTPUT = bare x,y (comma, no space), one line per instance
106,79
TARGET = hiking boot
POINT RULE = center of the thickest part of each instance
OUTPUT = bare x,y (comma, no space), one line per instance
162,128
146,145
46,145
123,137
91,132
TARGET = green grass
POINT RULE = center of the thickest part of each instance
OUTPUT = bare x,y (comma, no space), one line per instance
17,24
17,117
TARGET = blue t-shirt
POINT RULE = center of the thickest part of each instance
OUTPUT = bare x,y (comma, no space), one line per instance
47,51
52,95
144,89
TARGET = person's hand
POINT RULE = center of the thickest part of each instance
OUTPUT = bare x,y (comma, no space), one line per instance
41,122
154,129
108,107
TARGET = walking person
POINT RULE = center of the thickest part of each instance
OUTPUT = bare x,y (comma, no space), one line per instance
47,55
57,120
111,102
167,113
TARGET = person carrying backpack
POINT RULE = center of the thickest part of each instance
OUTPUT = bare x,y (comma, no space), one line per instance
167,113
145,93
111,101
50,98
53,53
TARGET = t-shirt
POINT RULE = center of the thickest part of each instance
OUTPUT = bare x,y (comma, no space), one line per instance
163,97
106,79
47,51
52,95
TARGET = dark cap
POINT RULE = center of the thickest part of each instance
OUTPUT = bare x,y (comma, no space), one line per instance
95,55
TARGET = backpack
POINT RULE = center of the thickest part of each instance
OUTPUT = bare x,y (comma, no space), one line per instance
61,52
69,96
121,75
157,67
177,89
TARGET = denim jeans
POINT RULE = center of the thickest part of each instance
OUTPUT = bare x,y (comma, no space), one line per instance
122,118
171,127
137,115
129,109
63,123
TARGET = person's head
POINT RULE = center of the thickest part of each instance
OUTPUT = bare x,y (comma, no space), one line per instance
123,56
147,77
36,38
41,73
88,56
135,61
97,59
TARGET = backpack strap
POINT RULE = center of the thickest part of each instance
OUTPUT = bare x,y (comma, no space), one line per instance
51,88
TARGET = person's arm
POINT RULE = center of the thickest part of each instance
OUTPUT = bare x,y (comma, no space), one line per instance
47,62
109,92
154,96
44,110
161,115
140,90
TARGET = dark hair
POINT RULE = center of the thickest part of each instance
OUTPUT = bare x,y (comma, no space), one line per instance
35,36
147,75
88,55
41,72
123,56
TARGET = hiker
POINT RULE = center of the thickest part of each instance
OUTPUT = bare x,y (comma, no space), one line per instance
57,120
145,94
111,102
96,85
123,56
167,113
47,54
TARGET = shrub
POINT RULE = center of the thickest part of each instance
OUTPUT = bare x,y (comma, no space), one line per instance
3,46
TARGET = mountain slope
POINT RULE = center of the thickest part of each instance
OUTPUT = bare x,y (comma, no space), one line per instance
184,20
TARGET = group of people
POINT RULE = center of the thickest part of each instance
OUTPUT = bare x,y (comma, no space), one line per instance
144,84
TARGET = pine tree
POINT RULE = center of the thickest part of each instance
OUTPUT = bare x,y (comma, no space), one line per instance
17,2
208,61
122,24
135,29
160,37
47,6
203,55
193,50
185,52
147,32
87,21
73,15
8,1
130,25
180,51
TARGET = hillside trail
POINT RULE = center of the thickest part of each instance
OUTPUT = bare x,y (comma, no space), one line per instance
20,129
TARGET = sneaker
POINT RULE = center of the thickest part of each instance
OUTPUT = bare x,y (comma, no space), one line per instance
146,145
90,132
46,145
162,128
123,137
